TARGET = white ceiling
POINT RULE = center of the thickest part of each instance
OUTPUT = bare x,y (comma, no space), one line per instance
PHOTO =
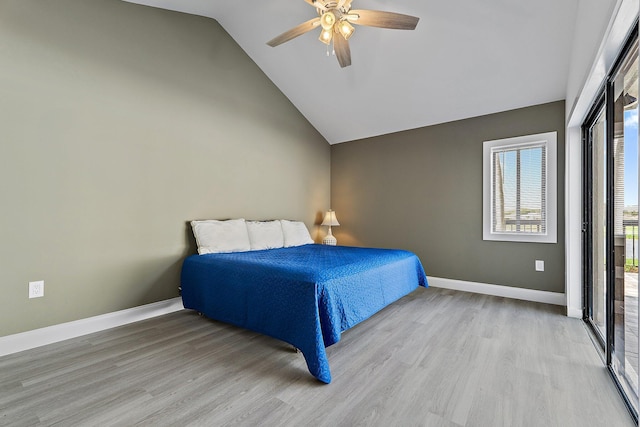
466,58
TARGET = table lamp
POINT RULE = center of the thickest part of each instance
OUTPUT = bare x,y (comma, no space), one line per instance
330,220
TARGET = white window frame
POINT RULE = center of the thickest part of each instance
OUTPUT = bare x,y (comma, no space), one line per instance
549,139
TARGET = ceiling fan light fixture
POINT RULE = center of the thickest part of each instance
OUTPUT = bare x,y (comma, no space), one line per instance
326,36
345,29
327,20
336,16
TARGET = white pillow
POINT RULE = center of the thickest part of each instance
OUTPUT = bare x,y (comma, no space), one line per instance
213,236
295,233
265,234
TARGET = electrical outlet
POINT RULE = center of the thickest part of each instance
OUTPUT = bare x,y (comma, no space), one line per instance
539,265
36,289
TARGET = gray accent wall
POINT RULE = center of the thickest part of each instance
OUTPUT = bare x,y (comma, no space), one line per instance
421,190
119,123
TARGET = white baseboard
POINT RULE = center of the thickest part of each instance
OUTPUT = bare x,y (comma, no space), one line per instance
546,297
31,339
574,312
38,337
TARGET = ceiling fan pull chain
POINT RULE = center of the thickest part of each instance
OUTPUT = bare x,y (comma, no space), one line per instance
327,50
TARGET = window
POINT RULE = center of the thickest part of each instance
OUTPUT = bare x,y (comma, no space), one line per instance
519,189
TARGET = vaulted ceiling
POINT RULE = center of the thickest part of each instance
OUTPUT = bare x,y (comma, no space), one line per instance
466,58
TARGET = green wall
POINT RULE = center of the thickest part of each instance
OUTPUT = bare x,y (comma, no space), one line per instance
120,123
422,190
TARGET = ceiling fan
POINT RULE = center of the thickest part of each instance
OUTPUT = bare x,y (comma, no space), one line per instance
335,18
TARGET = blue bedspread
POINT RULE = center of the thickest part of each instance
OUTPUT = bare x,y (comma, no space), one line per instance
306,295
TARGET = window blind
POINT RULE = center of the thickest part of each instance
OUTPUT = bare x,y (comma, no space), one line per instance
519,184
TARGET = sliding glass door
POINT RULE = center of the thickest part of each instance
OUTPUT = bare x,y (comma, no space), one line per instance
623,131
610,136
596,223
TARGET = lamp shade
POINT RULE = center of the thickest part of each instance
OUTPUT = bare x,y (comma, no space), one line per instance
345,29
330,219
326,36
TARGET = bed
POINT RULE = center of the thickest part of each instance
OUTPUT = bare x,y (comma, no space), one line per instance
305,294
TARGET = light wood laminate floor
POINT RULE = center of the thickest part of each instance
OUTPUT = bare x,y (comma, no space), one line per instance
435,358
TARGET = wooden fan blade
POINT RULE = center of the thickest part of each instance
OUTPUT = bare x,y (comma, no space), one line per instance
299,30
343,52
377,18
